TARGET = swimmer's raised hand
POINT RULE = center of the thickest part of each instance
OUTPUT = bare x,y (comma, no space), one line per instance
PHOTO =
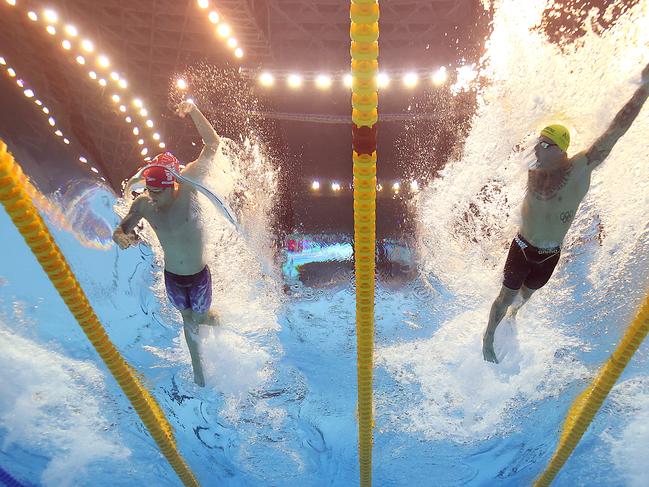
184,108
645,75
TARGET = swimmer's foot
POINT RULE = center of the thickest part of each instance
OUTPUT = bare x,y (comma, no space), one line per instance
199,379
488,352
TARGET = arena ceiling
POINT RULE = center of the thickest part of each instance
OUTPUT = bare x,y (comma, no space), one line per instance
151,42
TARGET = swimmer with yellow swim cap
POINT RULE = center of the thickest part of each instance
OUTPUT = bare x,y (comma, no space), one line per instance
556,186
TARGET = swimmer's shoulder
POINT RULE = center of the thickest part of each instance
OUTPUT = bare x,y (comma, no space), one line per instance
141,206
580,164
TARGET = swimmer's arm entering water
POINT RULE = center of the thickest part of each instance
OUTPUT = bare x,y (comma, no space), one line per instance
621,123
124,236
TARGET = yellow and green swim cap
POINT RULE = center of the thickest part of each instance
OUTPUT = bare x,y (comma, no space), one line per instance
558,134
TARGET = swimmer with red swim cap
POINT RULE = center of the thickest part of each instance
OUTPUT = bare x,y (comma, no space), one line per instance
556,186
169,205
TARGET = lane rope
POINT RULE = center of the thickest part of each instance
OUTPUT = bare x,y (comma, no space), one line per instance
30,224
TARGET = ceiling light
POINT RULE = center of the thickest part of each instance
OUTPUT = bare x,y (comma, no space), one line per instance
203,3
294,80
32,16
440,76
232,42
347,80
103,61
382,80
50,30
71,30
266,79
67,45
87,46
181,84
238,52
51,16
410,80
323,81
214,17
223,30
81,60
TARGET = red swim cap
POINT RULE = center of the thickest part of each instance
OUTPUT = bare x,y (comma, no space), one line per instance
158,177
166,159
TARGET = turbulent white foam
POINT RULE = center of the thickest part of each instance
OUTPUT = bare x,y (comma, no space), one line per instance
234,364
469,215
49,405
462,396
629,449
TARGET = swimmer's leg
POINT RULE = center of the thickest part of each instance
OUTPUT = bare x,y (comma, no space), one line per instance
210,318
191,336
524,294
496,314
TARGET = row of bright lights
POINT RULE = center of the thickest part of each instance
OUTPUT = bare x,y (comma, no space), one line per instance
31,95
84,53
223,30
439,77
336,186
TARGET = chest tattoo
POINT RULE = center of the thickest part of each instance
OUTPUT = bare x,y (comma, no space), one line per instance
546,185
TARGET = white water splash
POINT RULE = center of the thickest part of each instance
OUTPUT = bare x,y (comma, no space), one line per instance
469,215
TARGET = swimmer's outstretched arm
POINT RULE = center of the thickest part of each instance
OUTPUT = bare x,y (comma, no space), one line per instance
621,123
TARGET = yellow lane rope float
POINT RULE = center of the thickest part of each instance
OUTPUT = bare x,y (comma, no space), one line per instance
364,33
585,407
21,210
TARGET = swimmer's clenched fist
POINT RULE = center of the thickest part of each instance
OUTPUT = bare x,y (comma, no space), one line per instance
184,108
124,240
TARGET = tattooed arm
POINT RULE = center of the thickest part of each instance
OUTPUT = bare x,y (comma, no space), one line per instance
621,123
